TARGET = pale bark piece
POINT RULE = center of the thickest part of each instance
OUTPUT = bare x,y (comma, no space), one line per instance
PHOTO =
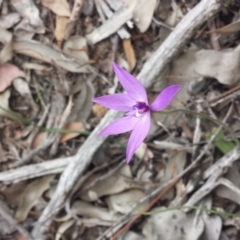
150,71
112,25
34,170
59,7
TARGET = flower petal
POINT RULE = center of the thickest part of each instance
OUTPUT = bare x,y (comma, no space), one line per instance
138,135
164,98
132,86
119,102
120,125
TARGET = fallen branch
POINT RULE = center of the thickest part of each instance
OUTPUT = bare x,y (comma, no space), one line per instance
35,170
152,68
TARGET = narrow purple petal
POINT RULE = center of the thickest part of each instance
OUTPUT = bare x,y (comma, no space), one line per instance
120,102
138,135
164,98
120,125
132,86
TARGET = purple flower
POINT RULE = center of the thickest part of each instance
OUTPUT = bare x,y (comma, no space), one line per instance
135,103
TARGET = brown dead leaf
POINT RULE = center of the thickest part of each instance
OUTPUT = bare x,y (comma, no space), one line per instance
74,126
39,139
31,196
129,52
99,110
8,72
61,23
59,7
6,40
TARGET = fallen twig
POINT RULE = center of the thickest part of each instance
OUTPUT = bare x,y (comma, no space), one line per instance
4,213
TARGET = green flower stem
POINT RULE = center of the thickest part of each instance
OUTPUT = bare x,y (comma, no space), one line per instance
217,122
30,123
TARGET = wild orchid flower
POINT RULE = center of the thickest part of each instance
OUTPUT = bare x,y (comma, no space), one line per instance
135,103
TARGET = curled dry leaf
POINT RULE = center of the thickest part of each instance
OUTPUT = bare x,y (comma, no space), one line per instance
28,10
63,228
81,111
223,66
76,47
6,40
88,210
31,196
213,223
116,183
173,224
74,126
13,194
47,54
175,165
9,72
59,7
123,202
9,20
143,13
129,52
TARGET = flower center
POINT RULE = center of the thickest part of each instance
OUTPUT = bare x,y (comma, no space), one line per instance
141,108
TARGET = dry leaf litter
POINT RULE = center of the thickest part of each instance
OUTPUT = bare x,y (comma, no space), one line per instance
183,183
